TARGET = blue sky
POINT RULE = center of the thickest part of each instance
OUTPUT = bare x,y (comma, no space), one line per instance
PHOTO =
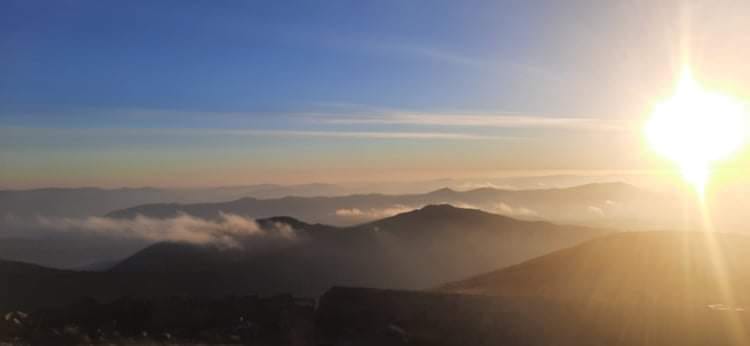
210,92
271,57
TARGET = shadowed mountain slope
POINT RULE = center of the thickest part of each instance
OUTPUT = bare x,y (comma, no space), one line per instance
412,250
675,268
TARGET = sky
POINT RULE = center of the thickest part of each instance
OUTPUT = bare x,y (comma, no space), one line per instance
205,93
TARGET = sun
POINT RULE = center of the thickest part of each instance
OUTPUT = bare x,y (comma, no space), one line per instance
695,128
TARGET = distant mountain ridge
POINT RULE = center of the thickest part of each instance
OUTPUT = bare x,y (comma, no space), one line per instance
93,201
580,204
40,240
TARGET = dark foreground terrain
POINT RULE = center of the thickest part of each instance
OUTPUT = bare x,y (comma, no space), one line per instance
250,320
633,288
376,317
359,316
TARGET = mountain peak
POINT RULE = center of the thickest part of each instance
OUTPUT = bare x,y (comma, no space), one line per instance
444,191
441,214
443,207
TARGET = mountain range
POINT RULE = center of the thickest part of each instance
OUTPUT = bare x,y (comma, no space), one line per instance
62,228
412,250
601,204
91,201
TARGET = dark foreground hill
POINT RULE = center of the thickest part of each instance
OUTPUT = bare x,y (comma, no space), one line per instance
414,250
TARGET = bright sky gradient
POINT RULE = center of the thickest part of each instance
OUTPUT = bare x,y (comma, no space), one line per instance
183,93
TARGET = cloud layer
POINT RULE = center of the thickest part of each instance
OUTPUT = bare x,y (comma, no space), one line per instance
228,231
372,213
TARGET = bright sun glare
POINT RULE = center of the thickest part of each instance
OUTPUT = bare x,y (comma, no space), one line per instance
696,127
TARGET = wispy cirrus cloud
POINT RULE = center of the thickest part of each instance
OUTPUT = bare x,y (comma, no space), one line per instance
357,134
334,120
413,135
423,51
433,52
501,120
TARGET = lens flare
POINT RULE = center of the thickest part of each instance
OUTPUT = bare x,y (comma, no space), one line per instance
696,127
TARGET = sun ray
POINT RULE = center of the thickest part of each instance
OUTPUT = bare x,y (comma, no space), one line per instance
695,128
